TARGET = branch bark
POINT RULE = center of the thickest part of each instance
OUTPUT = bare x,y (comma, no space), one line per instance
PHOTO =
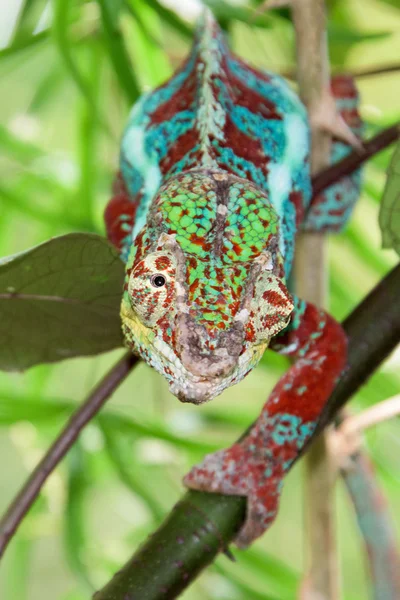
376,526
201,525
310,270
371,508
90,407
355,159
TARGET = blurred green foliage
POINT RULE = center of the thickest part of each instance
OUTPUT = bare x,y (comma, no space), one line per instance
70,72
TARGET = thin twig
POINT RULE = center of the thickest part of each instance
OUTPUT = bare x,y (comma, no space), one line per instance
355,159
370,505
30,491
376,526
387,409
374,71
356,74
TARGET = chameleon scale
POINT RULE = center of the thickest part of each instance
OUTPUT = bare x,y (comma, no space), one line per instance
214,182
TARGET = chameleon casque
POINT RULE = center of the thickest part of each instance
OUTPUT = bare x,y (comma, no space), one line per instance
214,183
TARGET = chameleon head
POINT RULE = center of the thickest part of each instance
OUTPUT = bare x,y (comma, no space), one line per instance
204,290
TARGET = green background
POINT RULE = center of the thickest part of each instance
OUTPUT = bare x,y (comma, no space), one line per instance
68,78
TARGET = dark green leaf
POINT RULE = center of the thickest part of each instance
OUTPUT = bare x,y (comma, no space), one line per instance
58,300
389,214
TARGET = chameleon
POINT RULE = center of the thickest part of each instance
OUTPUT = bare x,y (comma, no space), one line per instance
213,185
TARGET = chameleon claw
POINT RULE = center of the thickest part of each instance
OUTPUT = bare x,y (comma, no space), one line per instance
326,117
238,471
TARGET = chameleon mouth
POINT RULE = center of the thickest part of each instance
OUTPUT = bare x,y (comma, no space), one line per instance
199,392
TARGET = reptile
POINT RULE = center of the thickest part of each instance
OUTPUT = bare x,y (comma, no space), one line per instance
214,183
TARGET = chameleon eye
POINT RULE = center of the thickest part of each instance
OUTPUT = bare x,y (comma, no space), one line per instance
157,280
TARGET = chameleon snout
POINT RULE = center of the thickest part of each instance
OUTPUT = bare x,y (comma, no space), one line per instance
210,356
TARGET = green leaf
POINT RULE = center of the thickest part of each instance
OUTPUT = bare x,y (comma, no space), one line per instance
74,524
28,19
61,21
27,43
118,450
169,16
389,214
116,47
347,35
58,300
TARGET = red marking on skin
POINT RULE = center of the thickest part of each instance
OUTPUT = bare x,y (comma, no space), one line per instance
243,145
193,286
181,100
120,204
162,262
275,299
332,345
141,269
343,86
234,307
237,248
178,150
297,200
200,241
219,275
255,250
250,333
250,99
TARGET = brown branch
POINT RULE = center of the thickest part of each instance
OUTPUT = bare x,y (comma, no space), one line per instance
354,424
356,74
355,159
31,489
309,20
373,71
375,525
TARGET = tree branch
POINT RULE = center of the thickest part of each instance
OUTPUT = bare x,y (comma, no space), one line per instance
353,161
375,524
31,489
370,505
201,524
310,271
354,424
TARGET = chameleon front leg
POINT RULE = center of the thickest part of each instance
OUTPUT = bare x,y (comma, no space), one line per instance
256,465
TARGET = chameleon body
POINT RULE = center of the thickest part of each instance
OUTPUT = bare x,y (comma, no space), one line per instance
214,182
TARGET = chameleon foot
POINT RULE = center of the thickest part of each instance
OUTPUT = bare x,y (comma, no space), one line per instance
238,471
